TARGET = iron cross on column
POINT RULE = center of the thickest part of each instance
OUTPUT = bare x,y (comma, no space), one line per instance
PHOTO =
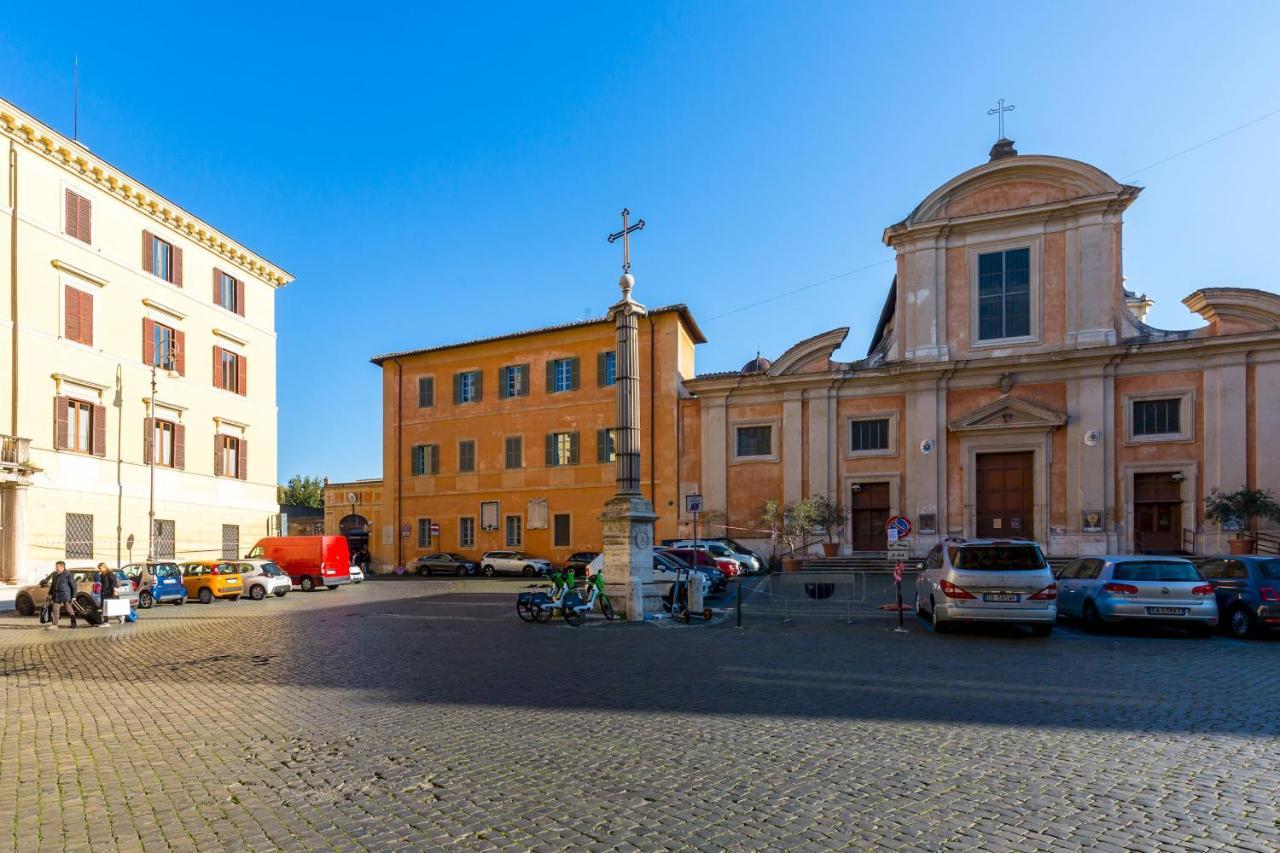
1000,111
624,236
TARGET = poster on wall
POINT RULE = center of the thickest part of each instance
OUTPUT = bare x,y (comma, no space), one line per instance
1091,521
488,515
537,514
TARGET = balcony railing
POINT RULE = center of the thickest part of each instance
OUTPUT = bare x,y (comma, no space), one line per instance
15,456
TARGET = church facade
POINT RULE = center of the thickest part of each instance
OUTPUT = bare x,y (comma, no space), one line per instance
1011,389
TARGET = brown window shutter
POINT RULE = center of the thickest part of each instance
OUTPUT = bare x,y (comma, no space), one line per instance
240,297
86,220
71,319
242,377
72,214
180,342
217,455
148,262
86,319
61,430
148,435
217,286
176,254
99,430
217,366
148,341
179,446
243,460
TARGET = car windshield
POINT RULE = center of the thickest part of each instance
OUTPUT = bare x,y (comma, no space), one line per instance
1161,571
997,558
458,557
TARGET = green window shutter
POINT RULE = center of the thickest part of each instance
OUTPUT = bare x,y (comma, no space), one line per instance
479,385
457,388
524,380
602,368
502,383
551,375
551,449
602,445
426,392
573,373
573,448
434,451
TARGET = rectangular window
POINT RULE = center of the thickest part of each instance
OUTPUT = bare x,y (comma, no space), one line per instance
869,434
466,455
163,443
426,392
466,532
562,448
1157,417
77,316
79,217
466,387
514,452
79,426
561,535
1004,294
515,380
606,368
606,445
229,457
424,533
229,362
166,539
755,441
562,374
161,259
228,292
230,541
513,531
79,535
488,515
425,458
164,347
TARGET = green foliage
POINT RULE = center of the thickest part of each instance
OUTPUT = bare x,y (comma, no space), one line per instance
830,517
1243,507
791,523
302,491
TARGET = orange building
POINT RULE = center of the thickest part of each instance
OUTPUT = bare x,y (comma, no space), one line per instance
506,442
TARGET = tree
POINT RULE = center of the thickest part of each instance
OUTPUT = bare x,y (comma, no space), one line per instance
302,491
790,523
830,517
1241,509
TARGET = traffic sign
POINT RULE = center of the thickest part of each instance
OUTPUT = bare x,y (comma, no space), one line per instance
898,527
435,529
897,571
693,503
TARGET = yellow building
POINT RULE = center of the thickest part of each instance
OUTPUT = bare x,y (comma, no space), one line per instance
506,442
354,510
102,279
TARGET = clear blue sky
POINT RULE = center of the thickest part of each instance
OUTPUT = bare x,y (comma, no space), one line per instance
434,173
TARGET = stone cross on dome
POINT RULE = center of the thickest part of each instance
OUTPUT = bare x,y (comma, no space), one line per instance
1004,146
625,236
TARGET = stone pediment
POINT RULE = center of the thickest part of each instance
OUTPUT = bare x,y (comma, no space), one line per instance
811,354
1009,413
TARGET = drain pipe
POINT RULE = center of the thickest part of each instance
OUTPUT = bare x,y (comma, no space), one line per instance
13,287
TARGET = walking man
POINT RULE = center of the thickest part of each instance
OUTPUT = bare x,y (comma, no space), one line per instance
62,591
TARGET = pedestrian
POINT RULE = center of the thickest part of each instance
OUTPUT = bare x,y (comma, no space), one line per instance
145,578
62,591
109,584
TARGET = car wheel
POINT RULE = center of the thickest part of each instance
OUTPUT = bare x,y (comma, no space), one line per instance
24,605
919,609
1092,621
280,592
256,592
205,595
940,626
146,600
1240,623
488,571
306,584
424,572
1042,630
458,572
529,571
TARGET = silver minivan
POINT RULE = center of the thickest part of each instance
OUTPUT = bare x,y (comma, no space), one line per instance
1105,590
987,580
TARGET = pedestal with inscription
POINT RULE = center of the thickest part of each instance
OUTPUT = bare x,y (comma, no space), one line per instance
628,556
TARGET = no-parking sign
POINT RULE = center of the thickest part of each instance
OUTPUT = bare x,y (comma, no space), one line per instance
898,527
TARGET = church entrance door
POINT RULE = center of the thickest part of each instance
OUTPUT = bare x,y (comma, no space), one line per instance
1005,496
1157,513
870,505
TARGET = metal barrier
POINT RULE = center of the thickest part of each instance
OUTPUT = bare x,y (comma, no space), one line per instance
787,596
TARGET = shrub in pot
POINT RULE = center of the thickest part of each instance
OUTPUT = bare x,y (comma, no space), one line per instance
1241,510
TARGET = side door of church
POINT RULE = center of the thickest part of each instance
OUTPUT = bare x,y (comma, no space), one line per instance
869,504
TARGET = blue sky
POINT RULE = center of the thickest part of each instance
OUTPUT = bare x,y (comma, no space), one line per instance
434,173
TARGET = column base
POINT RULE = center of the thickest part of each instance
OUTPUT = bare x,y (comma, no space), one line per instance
628,556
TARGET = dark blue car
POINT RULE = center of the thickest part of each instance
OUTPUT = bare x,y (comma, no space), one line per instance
166,586
1248,593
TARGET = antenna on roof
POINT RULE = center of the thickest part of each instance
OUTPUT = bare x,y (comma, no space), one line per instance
75,102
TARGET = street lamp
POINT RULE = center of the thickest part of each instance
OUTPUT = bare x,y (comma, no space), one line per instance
170,365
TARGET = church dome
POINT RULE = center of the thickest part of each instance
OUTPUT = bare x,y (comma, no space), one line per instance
759,364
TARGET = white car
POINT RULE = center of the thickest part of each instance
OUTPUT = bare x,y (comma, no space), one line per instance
260,578
720,551
513,563
664,573
357,574
987,580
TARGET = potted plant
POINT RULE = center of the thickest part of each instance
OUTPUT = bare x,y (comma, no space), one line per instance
790,524
1240,511
830,516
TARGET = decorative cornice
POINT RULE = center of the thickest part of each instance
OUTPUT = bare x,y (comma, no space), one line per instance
1255,308
164,309
230,337
1007,413
161,404
77,160
818,346
78,273
219,422
59,379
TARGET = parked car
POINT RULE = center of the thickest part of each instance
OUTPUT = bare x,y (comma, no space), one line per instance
258,578
700,557
665,570
757,562
309,561
720,551
718,580
29,599
166,583
578,562
987,580
356,573
1247,590
1104,590
445,563
513,563
205,581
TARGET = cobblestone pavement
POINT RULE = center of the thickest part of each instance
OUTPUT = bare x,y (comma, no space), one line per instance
411,714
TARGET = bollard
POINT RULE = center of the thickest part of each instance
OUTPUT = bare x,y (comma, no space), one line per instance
739,603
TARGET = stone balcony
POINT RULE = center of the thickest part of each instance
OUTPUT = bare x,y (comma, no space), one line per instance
15,462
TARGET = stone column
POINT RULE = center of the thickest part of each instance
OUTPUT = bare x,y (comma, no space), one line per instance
1225,437
14,553
628,518
793,446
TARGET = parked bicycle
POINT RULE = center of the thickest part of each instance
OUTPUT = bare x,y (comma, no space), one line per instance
541,605
575,610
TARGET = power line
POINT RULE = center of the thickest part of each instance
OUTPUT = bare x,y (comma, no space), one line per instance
796,290
1203,144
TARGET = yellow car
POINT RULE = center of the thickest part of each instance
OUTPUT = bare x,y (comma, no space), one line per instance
206,580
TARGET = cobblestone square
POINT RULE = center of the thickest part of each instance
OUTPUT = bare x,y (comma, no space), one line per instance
414,714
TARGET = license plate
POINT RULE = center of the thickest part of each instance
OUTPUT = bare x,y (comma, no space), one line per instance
1008,597
1166,611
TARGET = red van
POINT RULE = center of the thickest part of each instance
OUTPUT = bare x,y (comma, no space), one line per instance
309,561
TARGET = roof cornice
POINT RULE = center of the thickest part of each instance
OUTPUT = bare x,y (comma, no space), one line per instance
76,159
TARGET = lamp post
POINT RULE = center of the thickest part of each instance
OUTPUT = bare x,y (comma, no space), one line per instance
170,363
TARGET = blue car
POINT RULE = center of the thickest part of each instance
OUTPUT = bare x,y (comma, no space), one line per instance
1248,593
166,583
